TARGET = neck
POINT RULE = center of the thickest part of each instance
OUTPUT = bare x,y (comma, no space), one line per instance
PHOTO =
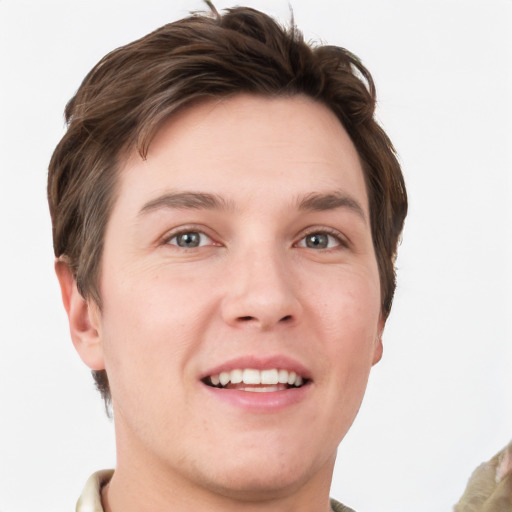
115,497
141,484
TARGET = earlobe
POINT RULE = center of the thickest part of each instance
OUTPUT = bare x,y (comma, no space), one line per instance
378,349
83,319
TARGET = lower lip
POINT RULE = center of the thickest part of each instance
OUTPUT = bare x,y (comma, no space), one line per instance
273,401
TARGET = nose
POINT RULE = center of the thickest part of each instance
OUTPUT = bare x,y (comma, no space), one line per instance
260,292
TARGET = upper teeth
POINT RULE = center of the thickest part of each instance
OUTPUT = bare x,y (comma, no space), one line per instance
254,377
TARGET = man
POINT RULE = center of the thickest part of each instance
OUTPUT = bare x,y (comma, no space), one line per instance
226,213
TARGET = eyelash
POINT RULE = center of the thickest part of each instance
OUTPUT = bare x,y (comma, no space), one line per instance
175,234
340,240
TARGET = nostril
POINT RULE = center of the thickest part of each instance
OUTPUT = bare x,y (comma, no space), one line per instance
248,318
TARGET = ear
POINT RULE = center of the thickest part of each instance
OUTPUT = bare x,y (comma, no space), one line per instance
83,319
377,353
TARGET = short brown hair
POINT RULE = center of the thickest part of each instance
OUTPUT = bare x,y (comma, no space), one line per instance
129,94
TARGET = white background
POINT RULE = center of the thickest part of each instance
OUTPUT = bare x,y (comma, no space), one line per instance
440,401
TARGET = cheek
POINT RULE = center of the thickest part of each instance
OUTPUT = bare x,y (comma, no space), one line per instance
150,327
349,311
348,302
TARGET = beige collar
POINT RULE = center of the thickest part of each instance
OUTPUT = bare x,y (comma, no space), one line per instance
90,499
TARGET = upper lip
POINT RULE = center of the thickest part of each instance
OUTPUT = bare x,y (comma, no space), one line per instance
280,362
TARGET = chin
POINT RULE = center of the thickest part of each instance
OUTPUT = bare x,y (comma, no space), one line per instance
260,484
271,477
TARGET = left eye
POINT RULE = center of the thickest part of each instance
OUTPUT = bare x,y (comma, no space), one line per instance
320,240
190,239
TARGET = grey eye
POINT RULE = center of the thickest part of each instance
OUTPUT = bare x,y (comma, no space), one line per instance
320,240
317,241
189,239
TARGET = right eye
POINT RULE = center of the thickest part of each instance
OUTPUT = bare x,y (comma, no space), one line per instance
190,239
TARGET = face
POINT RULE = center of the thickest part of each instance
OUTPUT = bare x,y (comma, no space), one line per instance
241,299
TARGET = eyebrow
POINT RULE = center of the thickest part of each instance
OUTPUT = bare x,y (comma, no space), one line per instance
186,200
204,201
330,201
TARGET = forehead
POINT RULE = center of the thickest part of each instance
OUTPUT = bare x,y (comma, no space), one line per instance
245,144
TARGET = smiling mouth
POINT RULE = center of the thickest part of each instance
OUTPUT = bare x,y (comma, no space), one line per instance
256,381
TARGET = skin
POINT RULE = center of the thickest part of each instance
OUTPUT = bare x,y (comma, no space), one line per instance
255,287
